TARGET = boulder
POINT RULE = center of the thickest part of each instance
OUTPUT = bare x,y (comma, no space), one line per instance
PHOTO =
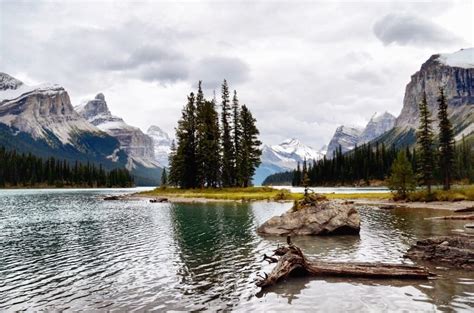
324,218
453,251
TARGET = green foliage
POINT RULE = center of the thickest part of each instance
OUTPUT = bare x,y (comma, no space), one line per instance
455,194
249,155
446,141
424,138
228,154
402,180
164,179
211,155
27,170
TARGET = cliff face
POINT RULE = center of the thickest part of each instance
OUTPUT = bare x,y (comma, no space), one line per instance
377,125
455,74
346,137
44,112
138,146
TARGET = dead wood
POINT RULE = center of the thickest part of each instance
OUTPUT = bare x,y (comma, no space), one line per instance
293,262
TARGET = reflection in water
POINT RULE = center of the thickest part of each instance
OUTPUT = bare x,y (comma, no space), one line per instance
70,250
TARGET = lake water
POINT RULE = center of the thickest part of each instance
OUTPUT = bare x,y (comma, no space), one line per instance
70,250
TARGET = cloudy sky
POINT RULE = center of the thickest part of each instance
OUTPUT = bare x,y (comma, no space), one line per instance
302,67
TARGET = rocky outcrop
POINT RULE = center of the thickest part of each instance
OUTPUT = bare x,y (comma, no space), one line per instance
455,251
453,72
346,137
161,144
378,125
323,218
44,112
138,146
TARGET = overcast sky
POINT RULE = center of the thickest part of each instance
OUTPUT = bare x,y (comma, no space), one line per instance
303,68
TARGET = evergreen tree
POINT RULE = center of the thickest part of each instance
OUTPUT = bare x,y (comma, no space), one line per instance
207,140
228,161
173,177
446,141
425,142
250,147
402,179
164,178
184,162
237,133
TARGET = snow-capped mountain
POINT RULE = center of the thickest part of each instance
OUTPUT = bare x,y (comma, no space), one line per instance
378,124
454,72
345,136
138,146
43,111
284,157
350,136
41,120
161,144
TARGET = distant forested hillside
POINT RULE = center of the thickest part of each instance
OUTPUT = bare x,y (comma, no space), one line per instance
27,170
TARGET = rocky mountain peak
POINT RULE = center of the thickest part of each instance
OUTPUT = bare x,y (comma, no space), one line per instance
378,124
9,82
95,110
454,72
161,144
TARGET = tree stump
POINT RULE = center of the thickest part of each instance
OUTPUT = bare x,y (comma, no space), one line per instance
293,262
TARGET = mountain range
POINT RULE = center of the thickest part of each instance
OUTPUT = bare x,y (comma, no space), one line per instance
41,120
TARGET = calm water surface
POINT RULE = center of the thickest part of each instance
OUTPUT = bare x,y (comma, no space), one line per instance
69,250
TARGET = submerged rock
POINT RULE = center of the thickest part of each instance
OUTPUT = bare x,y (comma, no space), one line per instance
324,218
455,251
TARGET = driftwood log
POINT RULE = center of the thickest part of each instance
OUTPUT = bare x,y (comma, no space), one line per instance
452,217
293,262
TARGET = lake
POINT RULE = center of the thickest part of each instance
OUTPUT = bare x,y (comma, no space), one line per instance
70,250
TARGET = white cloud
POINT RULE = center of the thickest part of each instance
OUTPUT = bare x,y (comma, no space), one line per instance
302,68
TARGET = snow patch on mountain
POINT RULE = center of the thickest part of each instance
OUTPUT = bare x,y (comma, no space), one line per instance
284,157
346,137
463,58
40,111
378,124
137,145
161,144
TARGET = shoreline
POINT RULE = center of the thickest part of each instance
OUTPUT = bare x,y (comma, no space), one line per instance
435,205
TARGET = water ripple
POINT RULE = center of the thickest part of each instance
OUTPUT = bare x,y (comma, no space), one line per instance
69,250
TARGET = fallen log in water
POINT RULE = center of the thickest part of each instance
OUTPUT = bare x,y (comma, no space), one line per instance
452,217
464,210
293,262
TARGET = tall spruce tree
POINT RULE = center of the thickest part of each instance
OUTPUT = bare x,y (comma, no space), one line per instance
237,134
446,141
424,140
250,147
201,155
164,178
184,162
207,141
228,162
173,166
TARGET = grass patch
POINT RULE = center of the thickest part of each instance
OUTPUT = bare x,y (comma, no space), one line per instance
455,194
245,194
368,195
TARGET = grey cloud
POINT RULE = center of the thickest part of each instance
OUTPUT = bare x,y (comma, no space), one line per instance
366,76
412,30
213,70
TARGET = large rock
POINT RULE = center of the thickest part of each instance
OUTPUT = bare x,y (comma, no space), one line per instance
454,251
324,218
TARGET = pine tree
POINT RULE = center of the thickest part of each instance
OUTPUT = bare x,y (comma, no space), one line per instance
174,166
164,179
446,141
184,162
250,146
425,142
228,163
402,179
237,133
